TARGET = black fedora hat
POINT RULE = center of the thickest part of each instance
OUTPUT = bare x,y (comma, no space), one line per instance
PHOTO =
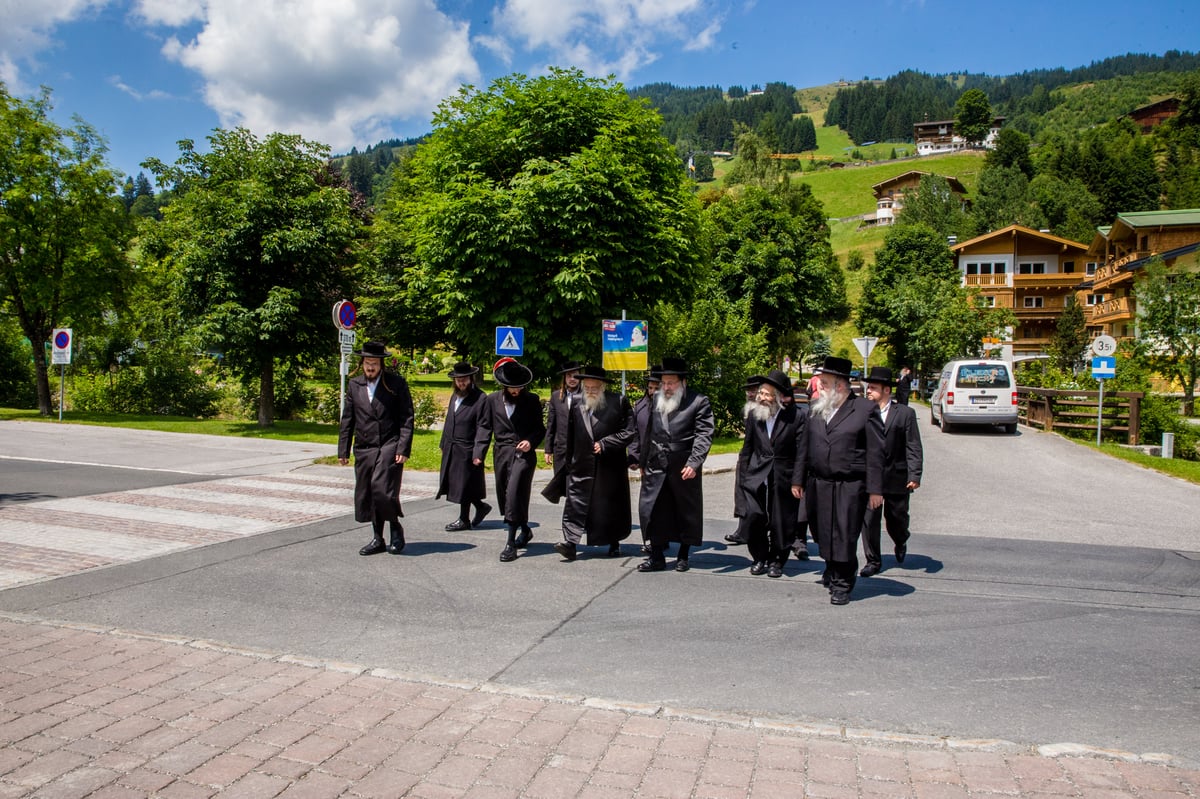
373,349
881,375
570,366
838,367
594,373
674,366
753,381
775,378
463,369
655,375
511,374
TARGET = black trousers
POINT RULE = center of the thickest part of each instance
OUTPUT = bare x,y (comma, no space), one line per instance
760,539
893,513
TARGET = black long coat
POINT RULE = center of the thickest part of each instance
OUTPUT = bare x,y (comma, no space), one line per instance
463,442
641,418
841,464
556,427
773,460
597,486
378,431
671,508
514,470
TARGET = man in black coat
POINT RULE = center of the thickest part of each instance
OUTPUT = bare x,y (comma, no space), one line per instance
514,421
904,385
558,410
769,476
599,429
903,460
738,536
672,454
641,418
378,422
463,450
841,469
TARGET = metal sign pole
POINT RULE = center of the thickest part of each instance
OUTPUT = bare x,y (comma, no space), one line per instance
622,371
62,384
1100,412
342,391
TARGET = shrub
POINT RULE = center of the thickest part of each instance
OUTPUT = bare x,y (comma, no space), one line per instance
17,381
426,409
166,385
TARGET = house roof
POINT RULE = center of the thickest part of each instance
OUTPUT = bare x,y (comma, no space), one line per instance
954,183
1140,219
1017,230
1166,256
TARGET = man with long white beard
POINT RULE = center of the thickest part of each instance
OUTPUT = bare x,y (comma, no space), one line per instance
841,471
769,477
599,429
673,450
739,536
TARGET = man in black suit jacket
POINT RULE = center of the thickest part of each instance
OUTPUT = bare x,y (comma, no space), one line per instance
902,464
672,452
768,474
558,411
378,420
461,479
514,421
641,419
842,473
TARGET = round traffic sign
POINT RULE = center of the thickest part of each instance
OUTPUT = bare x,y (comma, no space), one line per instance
1104,345
62,339
344,314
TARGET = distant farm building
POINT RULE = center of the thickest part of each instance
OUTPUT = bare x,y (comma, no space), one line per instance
935,138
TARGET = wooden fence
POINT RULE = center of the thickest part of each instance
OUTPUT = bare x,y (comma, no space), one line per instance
1054,409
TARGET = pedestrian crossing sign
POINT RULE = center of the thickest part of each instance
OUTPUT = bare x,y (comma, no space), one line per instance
510,341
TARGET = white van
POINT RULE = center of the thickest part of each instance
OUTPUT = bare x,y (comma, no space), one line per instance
975,392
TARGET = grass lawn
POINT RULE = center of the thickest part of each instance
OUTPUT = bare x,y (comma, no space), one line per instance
426,454
1184,470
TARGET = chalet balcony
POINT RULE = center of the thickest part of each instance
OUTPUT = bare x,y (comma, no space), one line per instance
1111,272
1114,310
987,281
1052,280
1050,309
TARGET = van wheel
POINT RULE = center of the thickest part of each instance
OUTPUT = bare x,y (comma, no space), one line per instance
933,420
945,425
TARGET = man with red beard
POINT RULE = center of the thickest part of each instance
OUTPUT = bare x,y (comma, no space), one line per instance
841,471
514,421
673,450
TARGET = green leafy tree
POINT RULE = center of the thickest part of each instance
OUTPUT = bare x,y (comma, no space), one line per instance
1004,199
941,321
63,227
259,240
547,203
1070,338
973,116
935,206
908,253
773,250
753,164
1168,303
1069,209
1012,149
704,167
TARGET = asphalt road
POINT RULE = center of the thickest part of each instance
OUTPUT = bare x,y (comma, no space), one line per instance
1051,594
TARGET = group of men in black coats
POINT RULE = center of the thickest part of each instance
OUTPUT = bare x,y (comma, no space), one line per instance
839,466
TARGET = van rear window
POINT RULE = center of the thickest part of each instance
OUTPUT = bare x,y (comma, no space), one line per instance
986,375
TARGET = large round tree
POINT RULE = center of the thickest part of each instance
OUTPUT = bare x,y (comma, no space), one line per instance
547,203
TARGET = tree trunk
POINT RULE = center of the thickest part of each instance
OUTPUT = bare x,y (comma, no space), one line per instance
42,370
266,394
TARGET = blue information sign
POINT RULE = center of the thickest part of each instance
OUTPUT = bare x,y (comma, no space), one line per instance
510,341
1104,367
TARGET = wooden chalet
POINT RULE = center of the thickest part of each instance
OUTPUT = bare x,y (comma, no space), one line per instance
889,196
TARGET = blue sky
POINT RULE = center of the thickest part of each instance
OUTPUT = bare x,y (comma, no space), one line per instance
147,73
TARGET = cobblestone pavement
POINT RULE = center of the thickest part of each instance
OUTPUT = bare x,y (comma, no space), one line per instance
44,540
109,713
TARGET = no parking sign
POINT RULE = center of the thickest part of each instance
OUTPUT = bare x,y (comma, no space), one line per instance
60,342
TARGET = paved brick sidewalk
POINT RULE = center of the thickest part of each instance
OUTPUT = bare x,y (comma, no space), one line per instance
104,713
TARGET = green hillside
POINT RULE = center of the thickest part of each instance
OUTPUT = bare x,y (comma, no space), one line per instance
847,192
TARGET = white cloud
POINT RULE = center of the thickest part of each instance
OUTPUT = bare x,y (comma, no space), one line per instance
602,36
169,12
154,94
28,27
335,71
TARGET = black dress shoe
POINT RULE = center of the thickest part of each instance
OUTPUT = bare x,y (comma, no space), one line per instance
901,551
870,570
652,566
524,538
458,524
735,539
481,511
681,566
614,551
759,567
839,599
566,549
374,548
509,554
396,547
774,570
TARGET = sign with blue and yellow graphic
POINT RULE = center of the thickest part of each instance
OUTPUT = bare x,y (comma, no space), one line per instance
625,345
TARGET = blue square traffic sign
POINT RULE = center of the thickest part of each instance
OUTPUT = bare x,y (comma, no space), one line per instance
510,341
1103,367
